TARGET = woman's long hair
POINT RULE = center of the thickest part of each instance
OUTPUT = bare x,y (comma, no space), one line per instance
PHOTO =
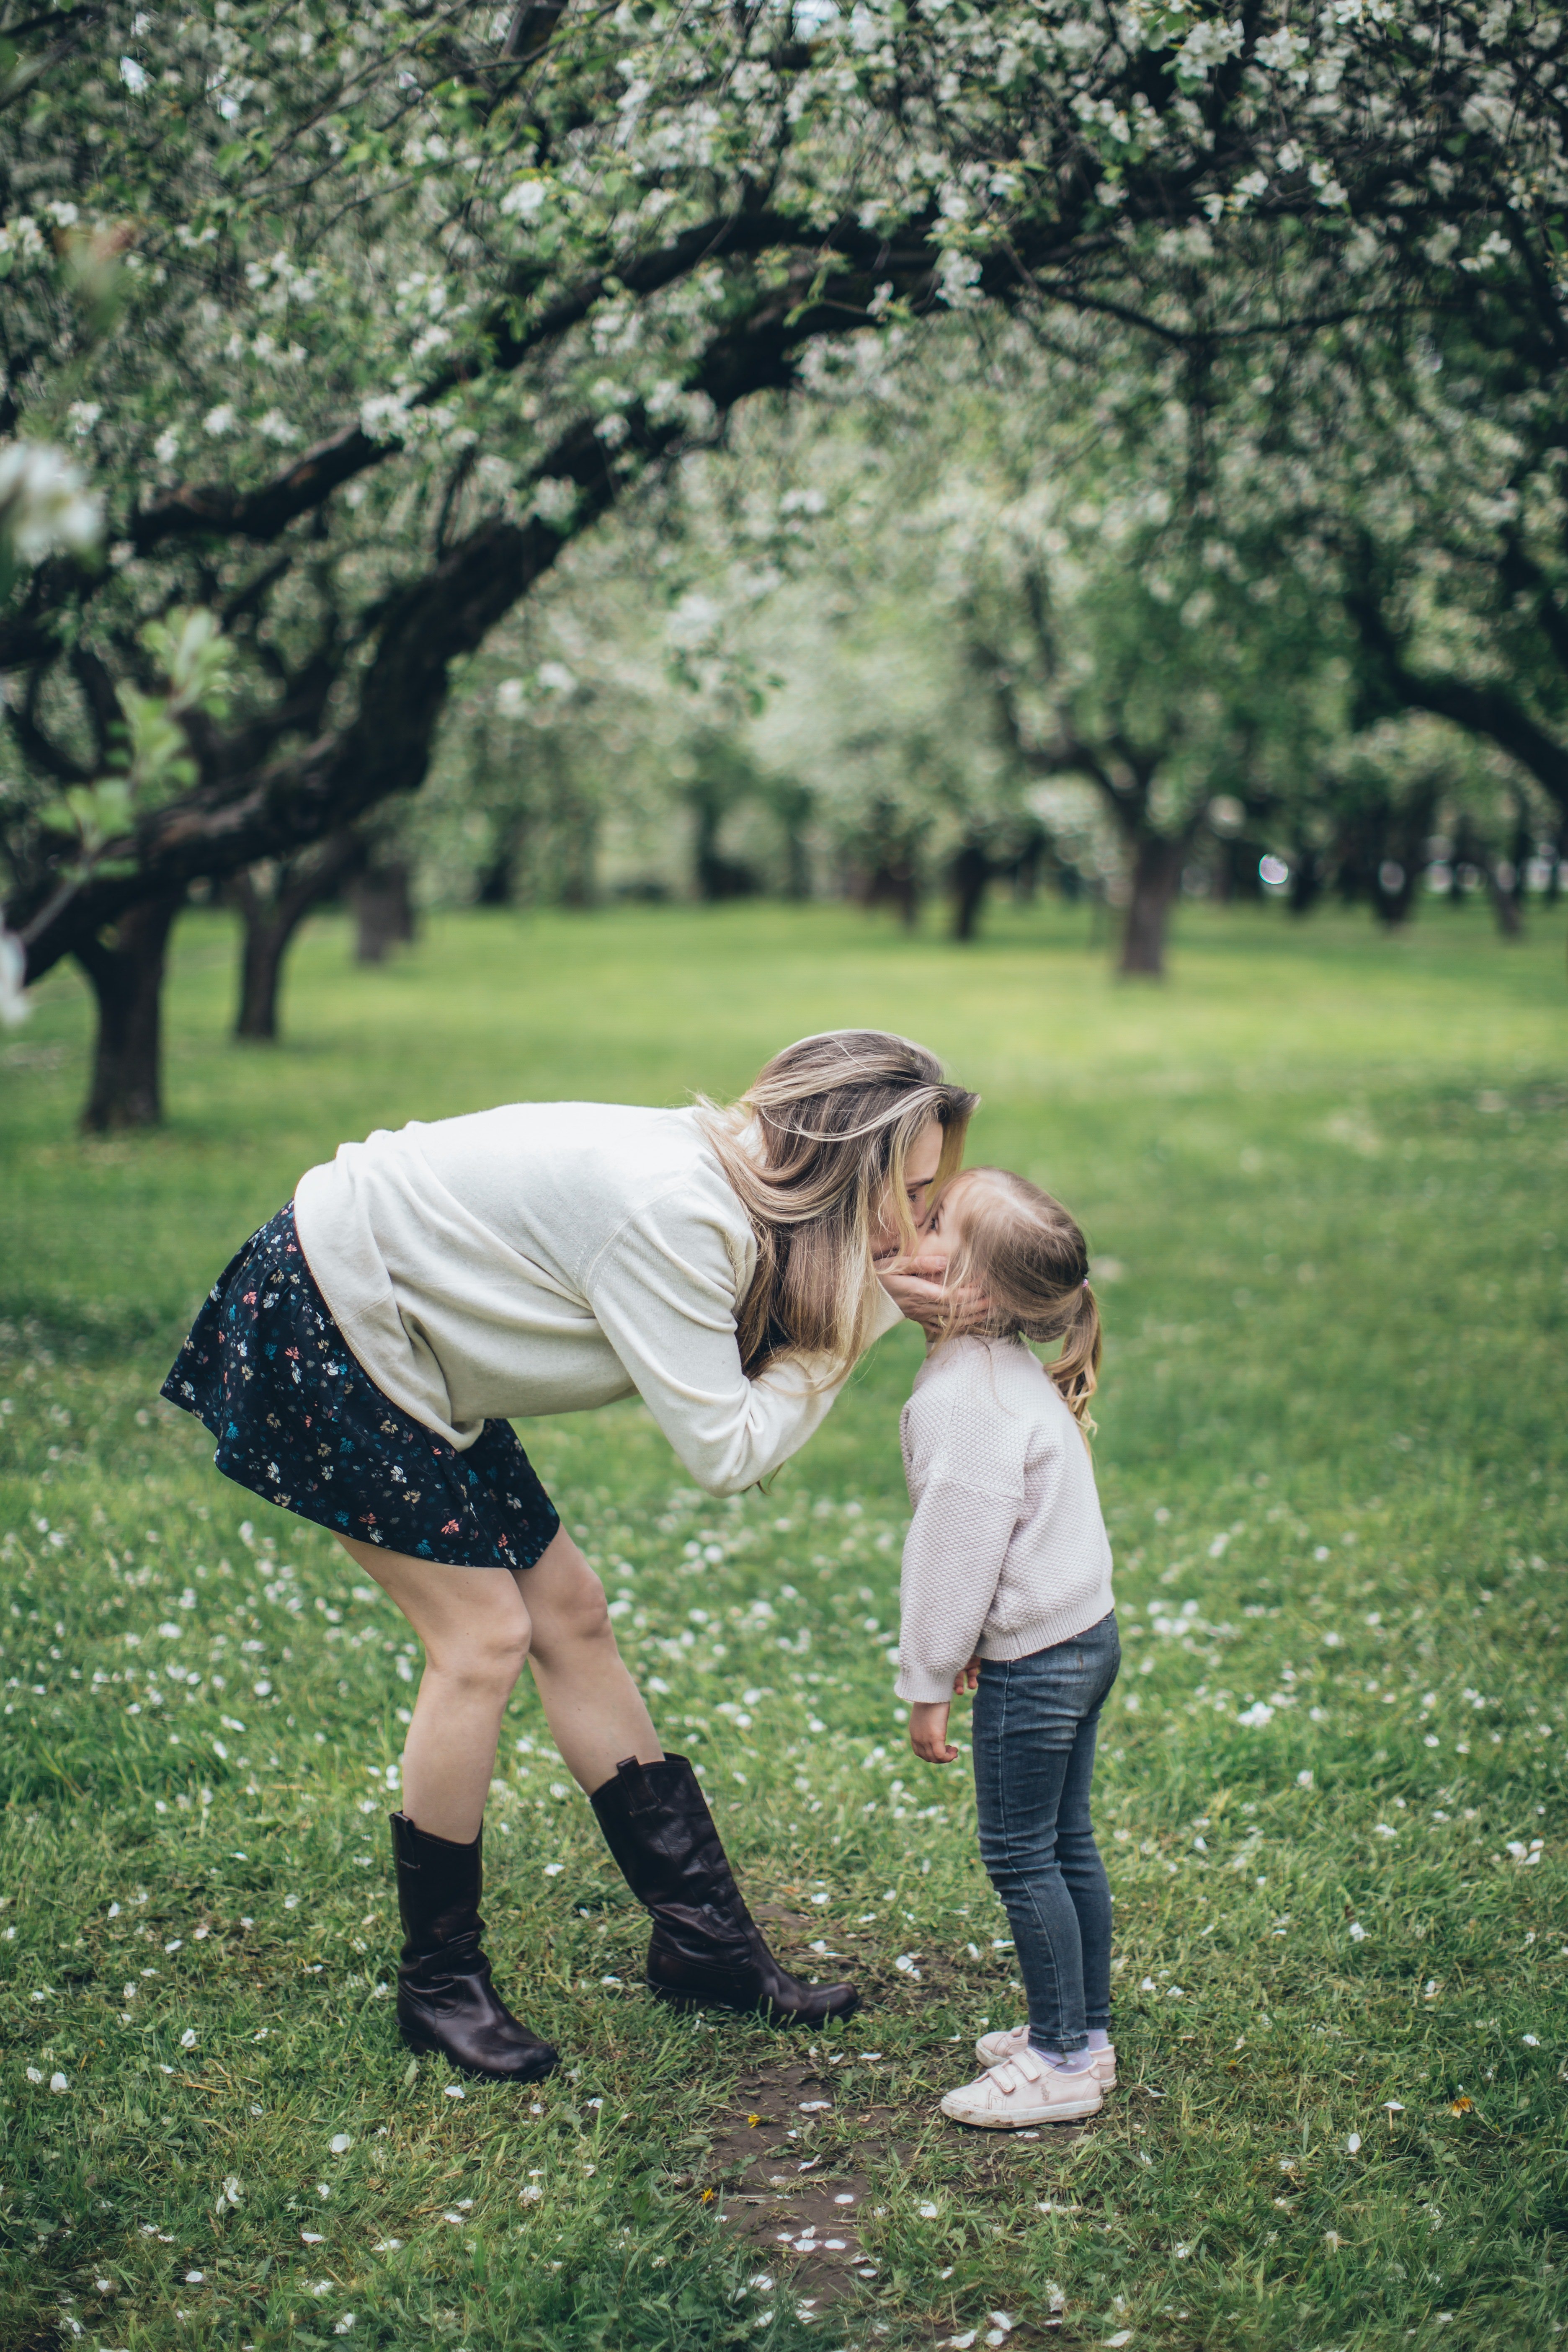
816,1146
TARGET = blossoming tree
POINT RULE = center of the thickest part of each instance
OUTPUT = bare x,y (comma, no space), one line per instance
358,325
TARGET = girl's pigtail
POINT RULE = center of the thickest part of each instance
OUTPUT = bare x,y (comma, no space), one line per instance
1076,1370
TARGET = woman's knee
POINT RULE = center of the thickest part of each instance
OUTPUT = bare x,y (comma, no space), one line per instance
571,1613
572,1626
487,1658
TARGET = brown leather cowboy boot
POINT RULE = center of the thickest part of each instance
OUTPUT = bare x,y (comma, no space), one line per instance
707,1951
446,2000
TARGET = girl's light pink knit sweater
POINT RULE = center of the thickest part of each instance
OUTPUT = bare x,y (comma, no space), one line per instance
1006,1553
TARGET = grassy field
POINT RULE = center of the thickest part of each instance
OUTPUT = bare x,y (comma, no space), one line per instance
1326,1179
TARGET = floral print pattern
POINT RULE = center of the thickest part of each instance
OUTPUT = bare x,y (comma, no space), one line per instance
300,1422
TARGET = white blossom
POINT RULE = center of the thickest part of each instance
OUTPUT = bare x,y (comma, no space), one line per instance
1207,46
46,505
384,417
527,200
14,1002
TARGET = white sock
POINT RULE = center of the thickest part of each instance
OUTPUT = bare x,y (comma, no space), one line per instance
1098,2038
1069,2065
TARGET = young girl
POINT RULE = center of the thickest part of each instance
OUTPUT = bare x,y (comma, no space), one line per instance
1006,1591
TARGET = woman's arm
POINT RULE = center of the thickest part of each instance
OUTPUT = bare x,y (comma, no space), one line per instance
664,1293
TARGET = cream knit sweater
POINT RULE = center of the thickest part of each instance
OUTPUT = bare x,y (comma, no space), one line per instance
548,1257
1006,1553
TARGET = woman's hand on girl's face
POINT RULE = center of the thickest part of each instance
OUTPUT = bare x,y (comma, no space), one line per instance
928,1732
930,1304
919,1299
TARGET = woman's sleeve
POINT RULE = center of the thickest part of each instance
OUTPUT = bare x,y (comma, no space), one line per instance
663,1293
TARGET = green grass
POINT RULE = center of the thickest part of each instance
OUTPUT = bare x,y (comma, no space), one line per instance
1329,1172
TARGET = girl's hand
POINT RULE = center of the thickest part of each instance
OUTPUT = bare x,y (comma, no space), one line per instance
967,1678
928,1732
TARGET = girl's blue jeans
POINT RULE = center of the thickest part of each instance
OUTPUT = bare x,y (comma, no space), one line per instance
1034,1724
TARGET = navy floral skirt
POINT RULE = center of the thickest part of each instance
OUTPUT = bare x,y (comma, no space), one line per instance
301,1424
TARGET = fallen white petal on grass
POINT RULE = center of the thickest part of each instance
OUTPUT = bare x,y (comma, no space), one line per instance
59,2082
340,2144
1353,2144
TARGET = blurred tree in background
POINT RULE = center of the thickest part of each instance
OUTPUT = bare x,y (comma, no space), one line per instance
357,330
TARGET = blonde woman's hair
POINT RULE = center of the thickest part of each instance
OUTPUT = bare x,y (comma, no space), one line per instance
1022,1256
816,1145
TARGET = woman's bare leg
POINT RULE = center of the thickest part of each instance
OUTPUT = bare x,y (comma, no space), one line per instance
474,1627
593,1707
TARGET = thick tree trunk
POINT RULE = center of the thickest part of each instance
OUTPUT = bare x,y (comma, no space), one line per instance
273,902
1157,862
1306,881
1507,902
383,910
127,980
261,968
498,880
969,875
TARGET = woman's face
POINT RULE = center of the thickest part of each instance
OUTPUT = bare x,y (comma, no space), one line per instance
919,1173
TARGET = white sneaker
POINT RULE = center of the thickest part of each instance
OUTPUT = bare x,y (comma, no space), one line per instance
992,2049
1022,2092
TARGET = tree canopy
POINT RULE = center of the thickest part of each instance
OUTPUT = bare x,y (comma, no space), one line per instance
353,329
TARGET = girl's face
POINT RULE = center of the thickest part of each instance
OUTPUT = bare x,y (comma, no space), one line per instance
944,1231
919,1169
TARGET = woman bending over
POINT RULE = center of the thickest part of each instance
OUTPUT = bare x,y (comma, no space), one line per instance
360,1359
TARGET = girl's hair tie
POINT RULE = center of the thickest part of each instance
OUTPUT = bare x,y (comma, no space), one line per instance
1085,1282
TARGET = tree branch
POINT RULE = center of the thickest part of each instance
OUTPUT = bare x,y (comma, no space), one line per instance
1486,709
235,819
